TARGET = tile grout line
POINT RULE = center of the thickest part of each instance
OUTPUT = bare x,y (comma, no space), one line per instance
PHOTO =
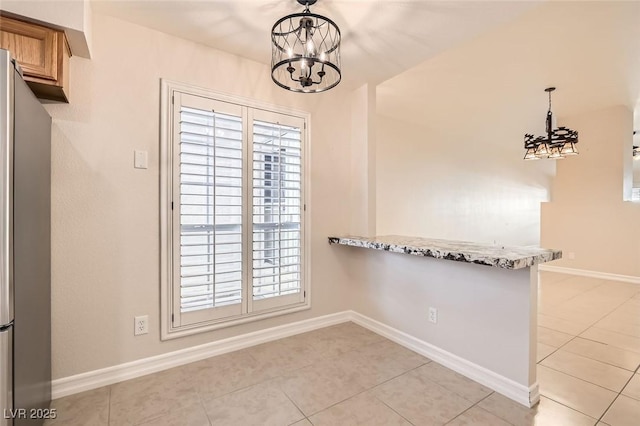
553,352
594,359
323,358
558,402
635,336
295,405
498,415
570,408
637,372
617,396
580,294
371,388
201,400
259,382
568,320
558,348
474,405
583,293
386,381
392,409
587,381
578,336
438,384
387,405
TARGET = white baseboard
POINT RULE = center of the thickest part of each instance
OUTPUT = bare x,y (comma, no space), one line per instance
534,394
593,274
522,394
130,370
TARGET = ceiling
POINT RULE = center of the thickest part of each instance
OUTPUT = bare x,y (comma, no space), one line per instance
589,50
380,38
434,57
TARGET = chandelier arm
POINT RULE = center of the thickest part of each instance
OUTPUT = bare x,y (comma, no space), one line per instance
321,25
321,76
282,34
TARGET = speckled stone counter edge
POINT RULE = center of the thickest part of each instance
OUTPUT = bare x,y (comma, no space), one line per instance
459,251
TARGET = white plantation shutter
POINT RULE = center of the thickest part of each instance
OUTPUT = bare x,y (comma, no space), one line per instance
236,211
277,210
210,161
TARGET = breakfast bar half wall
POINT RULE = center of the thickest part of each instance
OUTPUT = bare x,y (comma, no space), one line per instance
484,297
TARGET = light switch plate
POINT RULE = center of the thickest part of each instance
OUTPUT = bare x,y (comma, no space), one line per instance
140,159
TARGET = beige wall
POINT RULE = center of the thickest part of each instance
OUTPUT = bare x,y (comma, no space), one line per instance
484,313
587,215
457,172
105,218
363,161
451,182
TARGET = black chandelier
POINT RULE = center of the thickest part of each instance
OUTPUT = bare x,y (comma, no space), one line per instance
556,144
305,52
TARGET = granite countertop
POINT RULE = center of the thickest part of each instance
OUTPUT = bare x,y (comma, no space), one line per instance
504,257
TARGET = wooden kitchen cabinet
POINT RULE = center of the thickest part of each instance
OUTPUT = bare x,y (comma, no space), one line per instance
43,53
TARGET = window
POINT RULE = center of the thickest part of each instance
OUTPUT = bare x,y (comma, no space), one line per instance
232,213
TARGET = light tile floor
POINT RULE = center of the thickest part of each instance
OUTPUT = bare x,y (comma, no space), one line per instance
589,354
589,347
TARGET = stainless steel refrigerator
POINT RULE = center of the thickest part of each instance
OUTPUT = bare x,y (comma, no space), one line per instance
25,250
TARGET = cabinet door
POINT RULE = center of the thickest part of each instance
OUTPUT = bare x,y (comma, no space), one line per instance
33,46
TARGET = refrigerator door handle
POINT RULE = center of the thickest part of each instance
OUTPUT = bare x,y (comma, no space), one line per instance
6,377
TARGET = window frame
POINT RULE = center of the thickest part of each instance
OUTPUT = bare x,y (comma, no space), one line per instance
167,237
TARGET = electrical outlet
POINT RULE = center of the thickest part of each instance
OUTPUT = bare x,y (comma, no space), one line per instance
141,325
433,315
